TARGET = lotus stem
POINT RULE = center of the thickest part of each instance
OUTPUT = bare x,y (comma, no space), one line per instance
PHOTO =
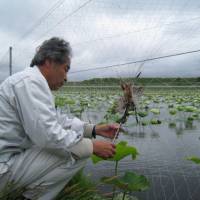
116,168
124,194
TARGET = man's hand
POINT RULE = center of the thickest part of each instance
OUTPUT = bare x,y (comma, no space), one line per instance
107,130
103,149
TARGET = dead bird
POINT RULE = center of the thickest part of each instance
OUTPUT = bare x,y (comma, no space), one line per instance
128,102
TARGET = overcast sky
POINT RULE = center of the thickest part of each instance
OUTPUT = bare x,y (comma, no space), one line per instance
105,32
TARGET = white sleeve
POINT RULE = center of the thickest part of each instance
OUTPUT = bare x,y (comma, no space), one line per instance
38,115
66,123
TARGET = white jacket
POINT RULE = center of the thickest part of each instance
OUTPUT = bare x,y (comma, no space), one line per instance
28,117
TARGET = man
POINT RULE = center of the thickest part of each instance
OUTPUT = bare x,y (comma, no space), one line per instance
40,150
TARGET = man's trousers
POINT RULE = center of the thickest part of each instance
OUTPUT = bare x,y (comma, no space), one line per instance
41,173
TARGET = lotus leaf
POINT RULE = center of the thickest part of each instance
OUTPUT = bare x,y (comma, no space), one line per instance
129,182
70,101
172,111
155,121
194,159
142,114
180,108
190,109
190,118
155,111
122,150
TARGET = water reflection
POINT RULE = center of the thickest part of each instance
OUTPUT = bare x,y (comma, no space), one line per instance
138,134
162,158
182,127
155,135
162,155
143,134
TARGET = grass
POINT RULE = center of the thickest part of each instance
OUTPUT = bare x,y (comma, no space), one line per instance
80,187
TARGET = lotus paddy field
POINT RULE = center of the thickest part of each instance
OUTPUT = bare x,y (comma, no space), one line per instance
157,158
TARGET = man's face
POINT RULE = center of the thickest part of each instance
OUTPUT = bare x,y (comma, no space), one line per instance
57,74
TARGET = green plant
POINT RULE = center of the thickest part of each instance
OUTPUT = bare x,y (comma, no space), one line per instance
81,187
194,159
129,182
12,192
155,111
122,151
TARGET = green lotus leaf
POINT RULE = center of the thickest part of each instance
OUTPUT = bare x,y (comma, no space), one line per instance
171,106
155,121
70,101
190,118
144,123
129,182
59,101
142,113
195,116
194,159
84,103
156,101
172,111
122,151
180,108
147,102
190,109
155,111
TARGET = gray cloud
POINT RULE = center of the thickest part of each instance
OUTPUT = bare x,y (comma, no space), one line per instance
107,32
17,16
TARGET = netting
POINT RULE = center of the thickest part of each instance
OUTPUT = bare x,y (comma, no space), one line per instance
104,33
122,37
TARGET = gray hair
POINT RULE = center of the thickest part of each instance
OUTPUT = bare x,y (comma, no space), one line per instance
54,49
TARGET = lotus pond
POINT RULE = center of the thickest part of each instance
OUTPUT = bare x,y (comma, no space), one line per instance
167,140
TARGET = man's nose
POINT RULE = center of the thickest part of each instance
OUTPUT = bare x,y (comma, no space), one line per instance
65,78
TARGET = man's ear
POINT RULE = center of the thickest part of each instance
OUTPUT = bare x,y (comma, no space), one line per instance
47,63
